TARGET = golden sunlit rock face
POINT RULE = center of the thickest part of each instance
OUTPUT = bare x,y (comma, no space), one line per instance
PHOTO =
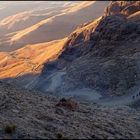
25,34
29,58
68,11
33,54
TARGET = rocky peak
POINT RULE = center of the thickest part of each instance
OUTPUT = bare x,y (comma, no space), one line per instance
103,54
111,61
122,7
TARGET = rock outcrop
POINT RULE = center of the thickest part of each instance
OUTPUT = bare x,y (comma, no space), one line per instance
103,54
122,7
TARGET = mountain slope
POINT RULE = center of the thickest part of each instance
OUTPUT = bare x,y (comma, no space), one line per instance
100,58
103,55
45,30
29,59
135,17
36,116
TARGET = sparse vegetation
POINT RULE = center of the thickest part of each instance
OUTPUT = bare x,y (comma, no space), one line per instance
68,103
59,136
10,128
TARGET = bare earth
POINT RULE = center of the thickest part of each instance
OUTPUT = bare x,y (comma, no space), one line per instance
36,116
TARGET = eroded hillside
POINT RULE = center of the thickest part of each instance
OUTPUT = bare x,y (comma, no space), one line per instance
101,58
29,59
45,24
102,55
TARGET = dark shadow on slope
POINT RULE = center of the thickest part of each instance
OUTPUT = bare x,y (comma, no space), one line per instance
115,40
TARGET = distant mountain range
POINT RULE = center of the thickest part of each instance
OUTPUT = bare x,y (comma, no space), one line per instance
49,21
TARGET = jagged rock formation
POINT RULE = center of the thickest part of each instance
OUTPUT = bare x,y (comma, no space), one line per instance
111,64
122,7
103,55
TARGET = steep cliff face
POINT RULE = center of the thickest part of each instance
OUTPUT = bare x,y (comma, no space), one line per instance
103,54
112,64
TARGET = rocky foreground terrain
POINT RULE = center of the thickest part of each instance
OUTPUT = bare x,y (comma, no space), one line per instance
26,114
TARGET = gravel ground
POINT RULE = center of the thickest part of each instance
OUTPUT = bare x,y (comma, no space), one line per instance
31,115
